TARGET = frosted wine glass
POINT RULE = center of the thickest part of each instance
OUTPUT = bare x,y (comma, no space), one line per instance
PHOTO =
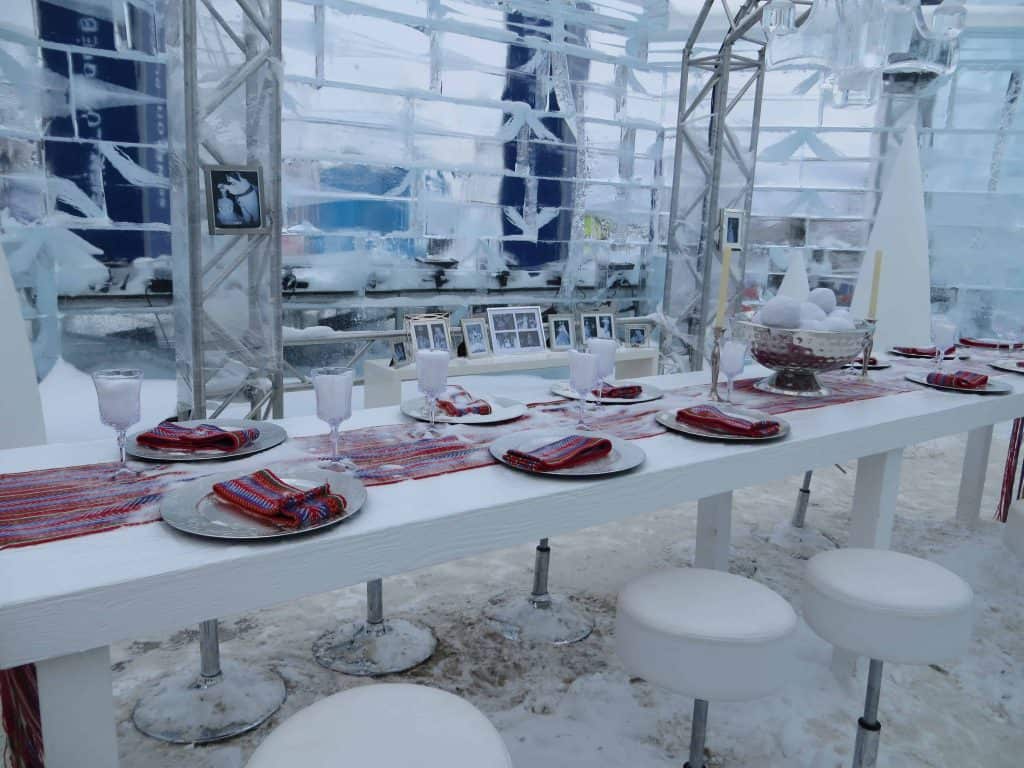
733,359
118,392
583,377
333,388
943,337
604,350
432,377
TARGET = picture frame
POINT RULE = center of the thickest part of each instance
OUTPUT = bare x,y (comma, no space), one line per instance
562,332
599,325
732,226
636,334
430,332
235,203
475,337
400,353
516,330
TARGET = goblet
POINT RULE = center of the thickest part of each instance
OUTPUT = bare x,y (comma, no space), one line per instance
734,357
943,337
333,387
118,392
583,377
432,377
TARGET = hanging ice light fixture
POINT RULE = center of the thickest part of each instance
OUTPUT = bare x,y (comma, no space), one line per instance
856,42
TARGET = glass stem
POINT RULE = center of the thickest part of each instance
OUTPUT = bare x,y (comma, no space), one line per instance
728,391
433,412
122,441
334,442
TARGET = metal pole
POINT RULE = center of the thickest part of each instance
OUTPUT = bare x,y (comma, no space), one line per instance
276,210
190,55
865,750
209,650
707,240
539,596
375,601
803,497
698,731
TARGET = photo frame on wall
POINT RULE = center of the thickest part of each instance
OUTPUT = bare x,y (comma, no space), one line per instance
430,332
235,203
516,330
732,227
636,334
600,325
474,335
562,332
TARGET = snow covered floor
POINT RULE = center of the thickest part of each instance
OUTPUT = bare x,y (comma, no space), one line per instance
575,706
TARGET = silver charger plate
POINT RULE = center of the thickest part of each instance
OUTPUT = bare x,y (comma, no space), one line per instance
992,388
193,508
624,455
502,409
947,356
667,419
270,435
648,393
1007,364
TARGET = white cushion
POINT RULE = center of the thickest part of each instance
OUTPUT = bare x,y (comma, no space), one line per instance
706,634
1015,528
386,726
888,606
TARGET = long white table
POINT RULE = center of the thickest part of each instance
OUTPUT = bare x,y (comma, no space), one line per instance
63,603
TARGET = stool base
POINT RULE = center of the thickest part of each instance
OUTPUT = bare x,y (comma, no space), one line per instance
865,749
369,649
184,708
539,619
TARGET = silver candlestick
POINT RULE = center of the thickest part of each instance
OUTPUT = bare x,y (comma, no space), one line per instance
716,363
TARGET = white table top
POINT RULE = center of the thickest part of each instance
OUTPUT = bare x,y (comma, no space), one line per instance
72,595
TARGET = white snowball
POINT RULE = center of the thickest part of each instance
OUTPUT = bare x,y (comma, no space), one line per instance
813,325
840,323
810,313
824,298
781,312
839,312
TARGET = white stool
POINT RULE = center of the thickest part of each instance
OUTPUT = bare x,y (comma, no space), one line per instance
1015,528
889,607
387,726
706,634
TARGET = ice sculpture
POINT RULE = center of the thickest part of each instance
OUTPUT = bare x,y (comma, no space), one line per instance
856,41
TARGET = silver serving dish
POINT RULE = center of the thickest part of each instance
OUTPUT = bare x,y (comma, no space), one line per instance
798,355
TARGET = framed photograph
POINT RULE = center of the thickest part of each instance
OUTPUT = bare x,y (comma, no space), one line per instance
561,332
400,353
637,334
474,334
597,325
430,332
732,227
234,200
516,329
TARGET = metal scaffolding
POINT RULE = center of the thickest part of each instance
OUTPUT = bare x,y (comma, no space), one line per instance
219,356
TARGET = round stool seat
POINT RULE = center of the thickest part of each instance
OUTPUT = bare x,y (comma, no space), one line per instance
888,606
706,634
1015,528
390,725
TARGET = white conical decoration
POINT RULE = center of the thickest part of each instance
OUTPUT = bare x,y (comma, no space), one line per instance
795,283
900,233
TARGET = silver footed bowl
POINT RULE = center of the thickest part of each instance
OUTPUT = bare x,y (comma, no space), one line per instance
797,355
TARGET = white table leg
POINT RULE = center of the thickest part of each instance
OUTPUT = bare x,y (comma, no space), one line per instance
714,529
76,707
874,509
972,479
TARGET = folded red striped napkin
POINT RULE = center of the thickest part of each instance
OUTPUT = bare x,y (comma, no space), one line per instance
991,343
1020,363
170,436
714,419
623,392
871,360
923,351
265,496
569,451
458,402
958,380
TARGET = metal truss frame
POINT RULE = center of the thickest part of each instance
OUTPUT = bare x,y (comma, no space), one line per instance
260,43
